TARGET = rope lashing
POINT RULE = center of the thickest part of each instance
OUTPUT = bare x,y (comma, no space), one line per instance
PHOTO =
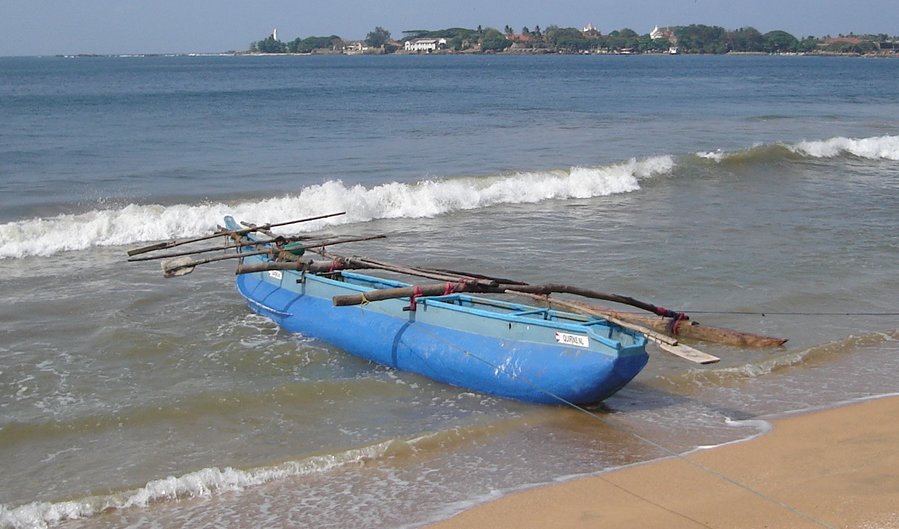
302,278
336,264
676,318
674,322
668,313
416,293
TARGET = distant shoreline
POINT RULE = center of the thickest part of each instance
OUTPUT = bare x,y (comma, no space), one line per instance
444,53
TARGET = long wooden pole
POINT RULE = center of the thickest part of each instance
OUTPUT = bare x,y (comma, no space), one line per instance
181,266
311,266
664,342
479,286
306,245
364,262
179,242
685,329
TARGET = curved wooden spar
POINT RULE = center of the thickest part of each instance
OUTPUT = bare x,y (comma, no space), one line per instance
675,327
482,286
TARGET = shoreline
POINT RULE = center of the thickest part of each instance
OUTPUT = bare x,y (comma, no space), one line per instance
517,53
832,467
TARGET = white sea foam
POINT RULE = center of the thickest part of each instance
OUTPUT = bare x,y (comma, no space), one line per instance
203,482
877,148
140,223
716,156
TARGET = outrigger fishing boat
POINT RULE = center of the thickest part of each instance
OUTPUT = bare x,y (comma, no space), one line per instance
538,354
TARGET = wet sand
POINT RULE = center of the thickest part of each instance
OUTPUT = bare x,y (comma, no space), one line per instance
834,468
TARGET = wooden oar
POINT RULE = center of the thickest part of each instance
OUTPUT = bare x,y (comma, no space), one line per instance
179,242
194,252
307,245
321,244
471,275
340,263
181,266
364,262
664,342
687,329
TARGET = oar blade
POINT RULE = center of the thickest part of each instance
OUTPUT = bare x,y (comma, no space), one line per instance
687,353
177,267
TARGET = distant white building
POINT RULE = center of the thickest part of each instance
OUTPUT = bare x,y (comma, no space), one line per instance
662,33
590,29
275,34
355,47
426,45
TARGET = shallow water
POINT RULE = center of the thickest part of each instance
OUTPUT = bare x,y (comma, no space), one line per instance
753,192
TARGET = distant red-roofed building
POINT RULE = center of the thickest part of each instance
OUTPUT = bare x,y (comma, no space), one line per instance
843,40
522,38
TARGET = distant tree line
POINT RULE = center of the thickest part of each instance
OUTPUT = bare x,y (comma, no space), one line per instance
307,45
695,38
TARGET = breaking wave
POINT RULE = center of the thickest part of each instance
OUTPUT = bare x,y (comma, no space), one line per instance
136,223
875,148
140,223
201,483
213,481
878,148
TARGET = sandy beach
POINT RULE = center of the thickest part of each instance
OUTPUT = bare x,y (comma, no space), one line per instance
835,468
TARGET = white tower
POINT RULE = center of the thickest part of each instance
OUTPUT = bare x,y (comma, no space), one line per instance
275,34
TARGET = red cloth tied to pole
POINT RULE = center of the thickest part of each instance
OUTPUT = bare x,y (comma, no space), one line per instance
335,265
450,288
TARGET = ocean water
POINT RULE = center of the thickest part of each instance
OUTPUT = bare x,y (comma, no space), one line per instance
752,192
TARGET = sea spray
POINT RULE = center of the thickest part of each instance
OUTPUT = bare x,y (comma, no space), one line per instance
877,148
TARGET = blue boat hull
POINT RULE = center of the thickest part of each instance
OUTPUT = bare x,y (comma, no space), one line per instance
504,349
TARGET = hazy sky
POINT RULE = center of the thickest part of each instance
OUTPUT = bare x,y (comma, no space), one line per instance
46,27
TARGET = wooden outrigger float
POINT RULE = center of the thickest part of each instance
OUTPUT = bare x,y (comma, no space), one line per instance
564,351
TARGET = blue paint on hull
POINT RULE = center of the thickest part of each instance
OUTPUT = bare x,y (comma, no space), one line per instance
504,349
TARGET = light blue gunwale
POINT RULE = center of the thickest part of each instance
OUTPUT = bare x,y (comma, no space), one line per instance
496,347
518,312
